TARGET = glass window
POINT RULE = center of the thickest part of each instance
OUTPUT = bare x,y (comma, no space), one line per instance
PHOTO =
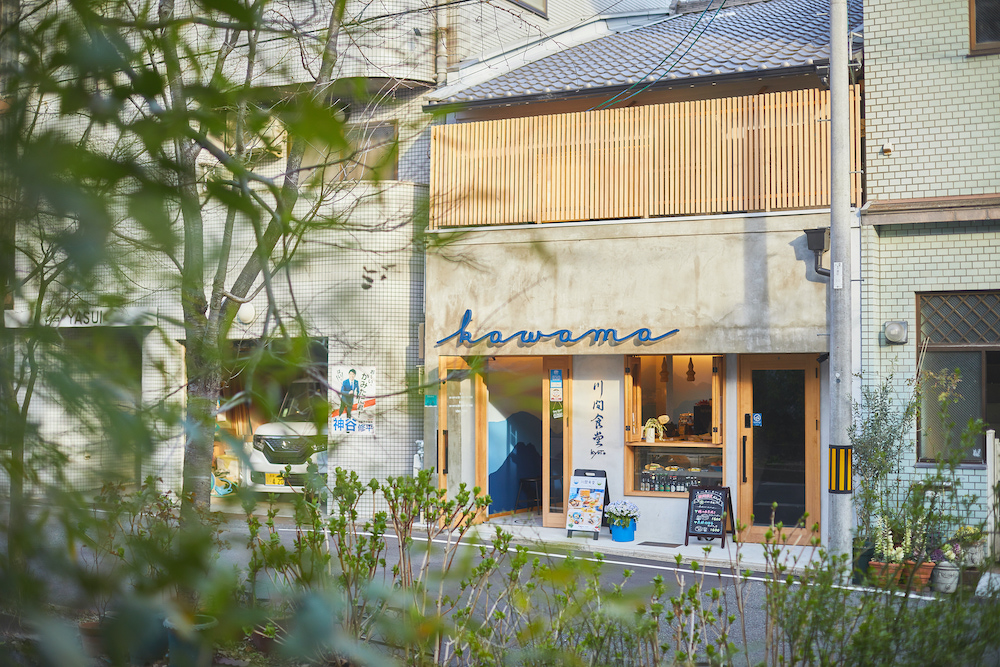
984,26
371,154
675,469
680,392
539,7
962,333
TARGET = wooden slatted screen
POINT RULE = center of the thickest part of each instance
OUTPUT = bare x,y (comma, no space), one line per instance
756,153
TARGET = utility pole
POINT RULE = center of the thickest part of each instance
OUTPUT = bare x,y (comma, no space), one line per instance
839,290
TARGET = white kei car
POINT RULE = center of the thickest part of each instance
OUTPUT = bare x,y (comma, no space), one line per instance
292,440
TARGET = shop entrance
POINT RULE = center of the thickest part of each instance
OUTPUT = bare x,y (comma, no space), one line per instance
779,457
504,427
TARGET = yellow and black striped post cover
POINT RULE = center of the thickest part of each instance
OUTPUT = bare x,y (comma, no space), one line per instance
841,477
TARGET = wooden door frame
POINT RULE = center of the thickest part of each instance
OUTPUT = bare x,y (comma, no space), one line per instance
481,401
565,364
747,363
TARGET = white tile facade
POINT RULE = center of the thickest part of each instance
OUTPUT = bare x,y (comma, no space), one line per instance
939,108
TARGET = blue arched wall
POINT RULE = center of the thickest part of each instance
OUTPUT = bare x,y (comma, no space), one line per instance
515,428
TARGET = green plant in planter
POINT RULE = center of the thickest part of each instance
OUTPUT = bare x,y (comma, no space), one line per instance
101,559
895,544
880,423
654,424
887,549
968,535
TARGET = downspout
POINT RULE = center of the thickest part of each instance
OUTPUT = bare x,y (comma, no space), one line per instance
441,44
818,240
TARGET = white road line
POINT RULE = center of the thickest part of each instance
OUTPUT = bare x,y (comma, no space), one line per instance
665,568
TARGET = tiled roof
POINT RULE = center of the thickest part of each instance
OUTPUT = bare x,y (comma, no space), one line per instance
756,37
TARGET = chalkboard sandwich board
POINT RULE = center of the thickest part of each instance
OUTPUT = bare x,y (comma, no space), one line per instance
708,508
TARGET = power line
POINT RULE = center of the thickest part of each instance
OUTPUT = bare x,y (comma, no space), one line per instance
612,100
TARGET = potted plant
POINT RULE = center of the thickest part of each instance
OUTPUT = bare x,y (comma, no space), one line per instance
864,552
972,543
165,563
918,569
653,429
622,519
102,564
884,569
944,578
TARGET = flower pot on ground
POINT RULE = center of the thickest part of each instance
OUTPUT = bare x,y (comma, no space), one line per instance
887,562
916,576
863,554
884,575
945,577
623,533
135,633
622,519
975,554
190,643
971,545
92,637
267,637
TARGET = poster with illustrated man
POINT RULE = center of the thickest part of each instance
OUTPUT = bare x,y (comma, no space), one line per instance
353,399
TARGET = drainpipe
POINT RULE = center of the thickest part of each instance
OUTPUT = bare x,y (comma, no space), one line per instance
839,290
441,44
993,466
418,458
818,240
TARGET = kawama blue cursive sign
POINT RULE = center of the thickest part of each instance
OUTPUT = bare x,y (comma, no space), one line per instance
564,336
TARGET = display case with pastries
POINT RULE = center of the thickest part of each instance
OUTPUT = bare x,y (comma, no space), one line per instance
664,469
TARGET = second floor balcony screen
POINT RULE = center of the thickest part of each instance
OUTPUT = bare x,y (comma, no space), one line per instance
743,154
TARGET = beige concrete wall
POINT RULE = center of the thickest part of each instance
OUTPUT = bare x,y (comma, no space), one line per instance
729,284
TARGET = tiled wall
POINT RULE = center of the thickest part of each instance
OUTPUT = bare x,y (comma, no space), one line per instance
936,105
899,261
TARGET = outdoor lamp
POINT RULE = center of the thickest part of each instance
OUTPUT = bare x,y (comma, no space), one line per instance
895,332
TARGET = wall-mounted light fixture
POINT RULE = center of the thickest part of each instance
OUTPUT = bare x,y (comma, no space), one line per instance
690,372
247,313
895,332
887,148
664,371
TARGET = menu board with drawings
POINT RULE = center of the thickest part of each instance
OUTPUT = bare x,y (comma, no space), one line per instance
708,508
586,504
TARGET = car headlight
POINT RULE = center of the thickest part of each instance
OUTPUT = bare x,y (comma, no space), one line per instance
258,442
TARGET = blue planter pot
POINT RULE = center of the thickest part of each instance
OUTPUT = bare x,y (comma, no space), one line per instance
623,533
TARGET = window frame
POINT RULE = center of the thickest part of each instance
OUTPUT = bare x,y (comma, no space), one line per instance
530,5
355,165
980,348
975,47
632,421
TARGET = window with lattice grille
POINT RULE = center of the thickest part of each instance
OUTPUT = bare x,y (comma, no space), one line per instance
984,25
961,332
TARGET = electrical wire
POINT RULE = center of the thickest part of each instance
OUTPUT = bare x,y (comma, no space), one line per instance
614,100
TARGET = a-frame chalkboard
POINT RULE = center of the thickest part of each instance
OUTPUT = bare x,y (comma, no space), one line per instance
708,508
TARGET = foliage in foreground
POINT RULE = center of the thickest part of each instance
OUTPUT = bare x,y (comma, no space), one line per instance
332,595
